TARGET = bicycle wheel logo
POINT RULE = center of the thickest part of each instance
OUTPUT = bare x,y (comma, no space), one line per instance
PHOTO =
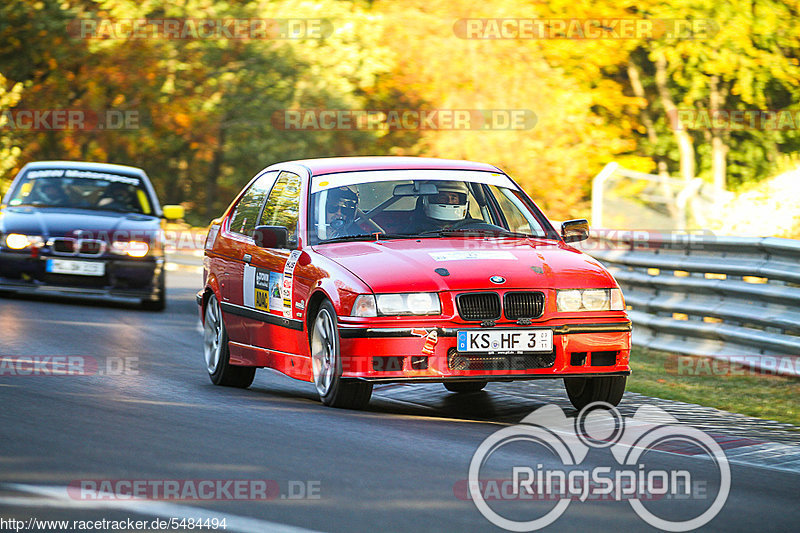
569,441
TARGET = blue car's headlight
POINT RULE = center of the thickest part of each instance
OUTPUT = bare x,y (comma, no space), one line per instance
18,241
131,248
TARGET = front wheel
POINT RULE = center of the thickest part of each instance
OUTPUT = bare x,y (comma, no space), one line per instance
326,365
217,354
583,391
161,303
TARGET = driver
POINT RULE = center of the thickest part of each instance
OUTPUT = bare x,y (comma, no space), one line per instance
340,211
447,207
52,193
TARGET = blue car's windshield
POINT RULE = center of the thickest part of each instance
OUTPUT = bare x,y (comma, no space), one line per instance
82,189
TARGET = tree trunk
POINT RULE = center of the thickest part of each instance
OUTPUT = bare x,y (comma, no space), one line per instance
213,174
719,151
684,140
652,136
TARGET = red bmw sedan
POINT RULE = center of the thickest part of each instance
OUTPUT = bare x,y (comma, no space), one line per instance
347,272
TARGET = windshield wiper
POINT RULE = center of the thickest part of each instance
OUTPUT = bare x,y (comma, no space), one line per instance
477,232
377,236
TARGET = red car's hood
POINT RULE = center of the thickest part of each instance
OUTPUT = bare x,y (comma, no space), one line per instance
410,265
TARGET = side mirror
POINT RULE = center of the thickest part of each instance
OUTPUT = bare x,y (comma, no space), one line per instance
575,230
271,236
173,212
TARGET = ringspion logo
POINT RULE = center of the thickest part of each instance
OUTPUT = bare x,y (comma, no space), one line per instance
569,442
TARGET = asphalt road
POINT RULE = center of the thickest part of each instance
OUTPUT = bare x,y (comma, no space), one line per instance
146,411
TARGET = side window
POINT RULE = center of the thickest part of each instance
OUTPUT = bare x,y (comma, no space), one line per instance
246,212
283,205
519,219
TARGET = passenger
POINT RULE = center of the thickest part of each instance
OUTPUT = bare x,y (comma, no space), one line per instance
118,197
445,209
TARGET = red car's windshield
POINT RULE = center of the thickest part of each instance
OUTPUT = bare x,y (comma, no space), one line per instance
427,203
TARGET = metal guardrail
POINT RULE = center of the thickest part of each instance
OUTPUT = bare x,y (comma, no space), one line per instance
723,297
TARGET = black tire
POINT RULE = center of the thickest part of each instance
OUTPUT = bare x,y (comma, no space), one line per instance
583,391
217,353
326,364
161,303
464,386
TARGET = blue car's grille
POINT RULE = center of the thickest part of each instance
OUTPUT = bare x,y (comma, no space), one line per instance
77,247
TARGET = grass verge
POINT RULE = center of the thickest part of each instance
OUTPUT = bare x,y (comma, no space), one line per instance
716,384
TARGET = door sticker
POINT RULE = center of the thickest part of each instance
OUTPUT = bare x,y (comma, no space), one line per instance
249,286
262,280
275,297
256,288
288,280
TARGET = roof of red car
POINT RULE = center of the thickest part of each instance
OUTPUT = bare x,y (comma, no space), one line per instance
330,165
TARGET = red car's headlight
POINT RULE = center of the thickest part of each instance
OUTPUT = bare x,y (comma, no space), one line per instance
413,303
572,300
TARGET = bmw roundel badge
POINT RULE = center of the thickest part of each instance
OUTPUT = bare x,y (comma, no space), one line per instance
497,279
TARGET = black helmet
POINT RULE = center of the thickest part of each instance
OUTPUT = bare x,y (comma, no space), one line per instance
344,199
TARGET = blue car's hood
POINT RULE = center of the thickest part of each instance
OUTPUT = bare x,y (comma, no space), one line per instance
62,221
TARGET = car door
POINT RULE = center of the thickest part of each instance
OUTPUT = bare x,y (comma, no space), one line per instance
271,284
238,233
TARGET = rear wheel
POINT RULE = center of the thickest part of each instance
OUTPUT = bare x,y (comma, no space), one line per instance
583,391
217,354
326,365
464,386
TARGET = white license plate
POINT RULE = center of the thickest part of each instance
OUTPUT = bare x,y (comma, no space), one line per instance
504,340
80,268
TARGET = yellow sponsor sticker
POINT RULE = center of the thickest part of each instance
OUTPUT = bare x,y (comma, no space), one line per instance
262,300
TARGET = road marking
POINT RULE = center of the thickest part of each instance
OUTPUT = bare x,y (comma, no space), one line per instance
58,497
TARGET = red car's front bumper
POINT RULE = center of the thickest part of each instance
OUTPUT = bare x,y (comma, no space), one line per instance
597,347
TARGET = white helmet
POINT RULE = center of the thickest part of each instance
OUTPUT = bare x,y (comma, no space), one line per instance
449,204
